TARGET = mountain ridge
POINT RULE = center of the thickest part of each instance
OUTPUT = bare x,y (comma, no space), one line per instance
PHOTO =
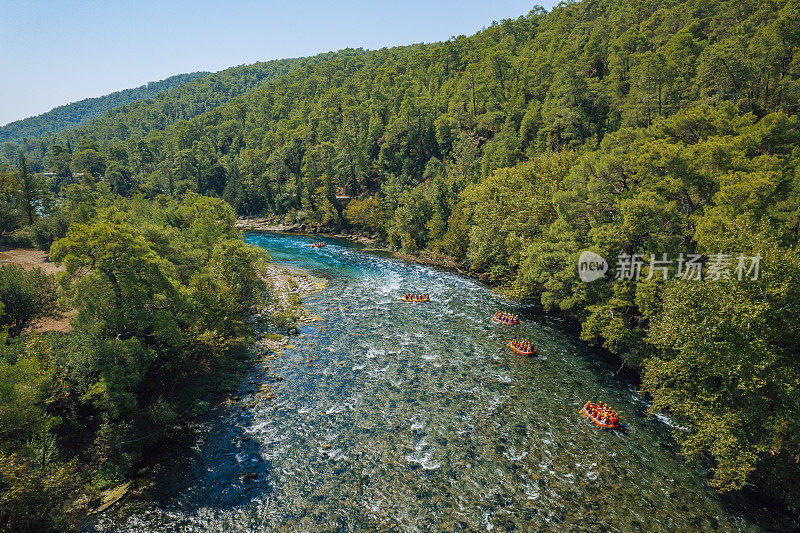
63,117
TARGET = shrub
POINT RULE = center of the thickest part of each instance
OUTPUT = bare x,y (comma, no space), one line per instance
45,231
26,296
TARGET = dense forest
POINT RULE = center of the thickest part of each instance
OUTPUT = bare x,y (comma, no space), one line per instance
142,116
71,115
623,127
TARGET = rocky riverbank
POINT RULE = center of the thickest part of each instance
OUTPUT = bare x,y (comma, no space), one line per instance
276,226
276,320
264,224
424,257
283,307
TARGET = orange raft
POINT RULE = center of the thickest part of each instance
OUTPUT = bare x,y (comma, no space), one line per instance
601,414
318,244
522,347
506,318
416,298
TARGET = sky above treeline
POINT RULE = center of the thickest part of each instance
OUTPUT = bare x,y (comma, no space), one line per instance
57,52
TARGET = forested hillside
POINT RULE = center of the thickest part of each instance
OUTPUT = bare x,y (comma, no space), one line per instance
141,117
618,126
71,115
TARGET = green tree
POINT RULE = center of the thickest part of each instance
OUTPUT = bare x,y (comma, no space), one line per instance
728,354
30,190
25,296
89,160
113,276
368,214
60,161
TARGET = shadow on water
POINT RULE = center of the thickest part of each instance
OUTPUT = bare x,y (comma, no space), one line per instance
414,417
212,464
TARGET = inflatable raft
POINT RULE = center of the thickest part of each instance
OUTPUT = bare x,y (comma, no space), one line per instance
420,299
507,321
602,415
530,353
318,245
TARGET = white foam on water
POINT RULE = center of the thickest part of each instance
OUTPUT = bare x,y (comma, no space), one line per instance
531,493
494,403
669,422
515,456
335,409
372,353
372,505
352,401
405,341
256,429
424,459
485,516
335,454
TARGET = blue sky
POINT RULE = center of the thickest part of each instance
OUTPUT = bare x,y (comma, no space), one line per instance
56,52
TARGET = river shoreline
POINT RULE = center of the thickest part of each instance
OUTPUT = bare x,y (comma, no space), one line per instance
439,261
424,257
377,397
276,322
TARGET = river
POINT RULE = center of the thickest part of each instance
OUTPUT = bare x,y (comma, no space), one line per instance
417,417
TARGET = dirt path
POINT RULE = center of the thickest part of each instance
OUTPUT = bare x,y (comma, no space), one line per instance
28,258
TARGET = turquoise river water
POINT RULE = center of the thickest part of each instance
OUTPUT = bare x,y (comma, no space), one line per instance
417,417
